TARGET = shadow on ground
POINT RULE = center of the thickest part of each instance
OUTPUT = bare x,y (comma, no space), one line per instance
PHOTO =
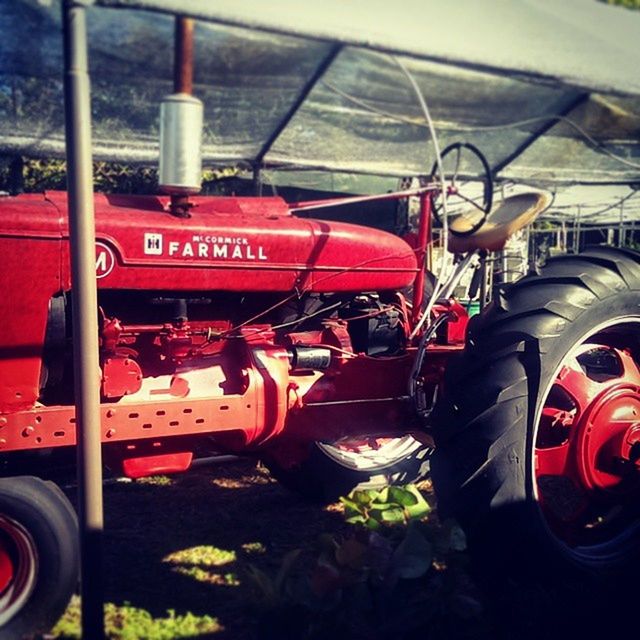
185,543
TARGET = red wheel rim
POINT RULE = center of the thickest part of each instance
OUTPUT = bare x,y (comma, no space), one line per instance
18,567
587,445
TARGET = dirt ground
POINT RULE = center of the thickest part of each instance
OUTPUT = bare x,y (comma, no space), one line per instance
155,531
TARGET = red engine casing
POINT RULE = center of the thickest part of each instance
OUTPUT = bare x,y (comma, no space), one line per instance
194,384
228,244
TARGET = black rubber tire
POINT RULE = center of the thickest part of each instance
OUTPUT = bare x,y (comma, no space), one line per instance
485,420
323,479
45,513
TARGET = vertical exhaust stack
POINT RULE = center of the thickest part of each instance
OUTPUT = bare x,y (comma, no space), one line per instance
181,115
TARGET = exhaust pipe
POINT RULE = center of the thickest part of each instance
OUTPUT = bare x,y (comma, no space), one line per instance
181,118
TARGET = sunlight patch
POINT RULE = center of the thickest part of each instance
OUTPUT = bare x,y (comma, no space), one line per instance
126,622
202,556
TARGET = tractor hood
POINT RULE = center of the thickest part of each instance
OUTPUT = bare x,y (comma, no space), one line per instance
231,244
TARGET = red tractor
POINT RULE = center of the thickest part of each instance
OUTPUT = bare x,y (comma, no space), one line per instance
245,328
240,325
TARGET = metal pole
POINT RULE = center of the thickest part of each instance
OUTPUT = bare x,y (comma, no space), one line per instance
483,279
621,233
183,56
422,250
85,315
257,180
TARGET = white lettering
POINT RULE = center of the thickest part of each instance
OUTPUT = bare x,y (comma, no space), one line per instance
261,255
237,252
173,247
101,261
203,250
250,255
187,250
219,251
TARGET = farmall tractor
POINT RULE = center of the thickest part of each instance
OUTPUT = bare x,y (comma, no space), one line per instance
241,325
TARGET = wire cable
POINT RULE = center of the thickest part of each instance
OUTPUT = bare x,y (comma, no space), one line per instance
443,187
498,127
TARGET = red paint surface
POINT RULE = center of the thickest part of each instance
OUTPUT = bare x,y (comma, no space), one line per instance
184,378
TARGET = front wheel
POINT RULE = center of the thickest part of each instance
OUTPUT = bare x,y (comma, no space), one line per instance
333,469
38,555
538,429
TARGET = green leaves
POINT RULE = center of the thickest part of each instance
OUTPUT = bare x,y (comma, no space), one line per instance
387,507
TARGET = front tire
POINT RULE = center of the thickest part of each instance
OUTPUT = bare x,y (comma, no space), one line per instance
38,555
538,428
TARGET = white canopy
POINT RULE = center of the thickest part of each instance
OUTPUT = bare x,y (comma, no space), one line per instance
549,91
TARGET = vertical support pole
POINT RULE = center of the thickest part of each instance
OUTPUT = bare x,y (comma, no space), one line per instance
183,56
85,314
483,279
424,231
621,230
257,180
576,240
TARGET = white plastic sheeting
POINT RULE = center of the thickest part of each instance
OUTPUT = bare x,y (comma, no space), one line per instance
548,91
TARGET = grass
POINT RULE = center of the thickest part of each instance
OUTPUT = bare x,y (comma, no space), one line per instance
177,549
126,622
179,553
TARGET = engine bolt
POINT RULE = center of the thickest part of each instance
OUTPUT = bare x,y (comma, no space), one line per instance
27,431
110,433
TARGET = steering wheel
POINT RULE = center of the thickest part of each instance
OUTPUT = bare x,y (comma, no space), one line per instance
469,182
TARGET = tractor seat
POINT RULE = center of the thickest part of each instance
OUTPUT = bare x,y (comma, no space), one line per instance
511,215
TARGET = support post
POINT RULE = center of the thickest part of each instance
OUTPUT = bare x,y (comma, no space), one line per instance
85,315
621,229
424,233
183,56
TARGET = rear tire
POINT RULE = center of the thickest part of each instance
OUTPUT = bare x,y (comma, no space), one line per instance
38,555
537,445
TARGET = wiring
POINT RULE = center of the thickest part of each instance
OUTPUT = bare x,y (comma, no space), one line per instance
300,319
443,187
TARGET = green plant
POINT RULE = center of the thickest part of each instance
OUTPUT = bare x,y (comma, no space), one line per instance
390,506
394,570
629,4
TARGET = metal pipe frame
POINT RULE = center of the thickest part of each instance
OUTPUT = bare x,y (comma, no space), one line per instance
85,313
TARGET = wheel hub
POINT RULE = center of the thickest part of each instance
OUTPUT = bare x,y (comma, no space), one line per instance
608,443
6,568
18,568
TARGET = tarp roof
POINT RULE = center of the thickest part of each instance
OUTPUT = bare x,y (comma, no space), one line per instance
549,91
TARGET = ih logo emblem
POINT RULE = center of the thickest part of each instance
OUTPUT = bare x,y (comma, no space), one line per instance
105,260
153,244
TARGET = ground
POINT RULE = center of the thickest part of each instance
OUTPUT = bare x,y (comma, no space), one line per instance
180,552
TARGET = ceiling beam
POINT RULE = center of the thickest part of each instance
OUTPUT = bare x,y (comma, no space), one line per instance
325,63
553,120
